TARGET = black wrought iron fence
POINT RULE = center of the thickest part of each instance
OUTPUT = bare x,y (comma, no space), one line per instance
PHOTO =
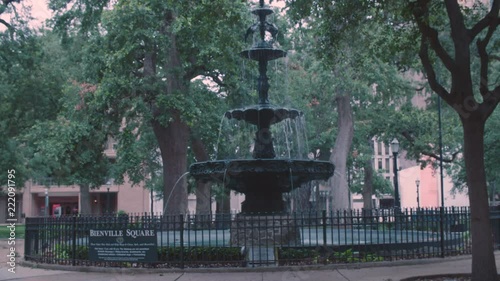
216,240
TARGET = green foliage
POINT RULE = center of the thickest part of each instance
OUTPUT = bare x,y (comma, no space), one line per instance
70,148
298,254
201,254
492,147
20,231
165,254
317,255
144,56
366,24
65,252
349,256
349,61
61,251
387,33
380,184
30,91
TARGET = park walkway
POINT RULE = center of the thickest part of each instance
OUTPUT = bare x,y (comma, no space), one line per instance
382,271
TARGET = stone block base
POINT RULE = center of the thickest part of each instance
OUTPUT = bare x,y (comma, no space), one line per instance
251,231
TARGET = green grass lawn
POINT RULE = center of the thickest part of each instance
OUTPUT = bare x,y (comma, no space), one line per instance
5,232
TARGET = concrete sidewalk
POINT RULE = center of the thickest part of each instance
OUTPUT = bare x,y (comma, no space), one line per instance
383,271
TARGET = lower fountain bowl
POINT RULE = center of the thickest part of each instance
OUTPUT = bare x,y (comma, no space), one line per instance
271,175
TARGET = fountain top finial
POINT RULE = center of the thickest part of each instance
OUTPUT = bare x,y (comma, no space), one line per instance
263,51
262,26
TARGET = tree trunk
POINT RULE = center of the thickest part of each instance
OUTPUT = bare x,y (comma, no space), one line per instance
368,185
339,188
223,210
223,204
483,259
173,142
173,138
301,197
203,196
85,207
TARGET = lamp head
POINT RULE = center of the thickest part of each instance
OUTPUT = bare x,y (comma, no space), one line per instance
395,145
417,182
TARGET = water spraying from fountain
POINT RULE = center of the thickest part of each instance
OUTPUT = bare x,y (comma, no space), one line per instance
172,191
274,162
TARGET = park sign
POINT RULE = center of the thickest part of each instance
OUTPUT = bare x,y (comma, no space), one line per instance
123,245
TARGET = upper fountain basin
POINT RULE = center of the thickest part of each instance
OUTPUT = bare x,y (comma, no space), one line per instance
262,11
263,53
263,113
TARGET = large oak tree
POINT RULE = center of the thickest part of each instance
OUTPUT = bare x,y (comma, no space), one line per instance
150,51
425,27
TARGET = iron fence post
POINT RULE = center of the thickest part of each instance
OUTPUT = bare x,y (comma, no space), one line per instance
181,239
74,241
441,209
323,217
27,236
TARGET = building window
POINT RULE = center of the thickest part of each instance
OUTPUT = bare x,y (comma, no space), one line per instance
380,164
387,165
386,149
379,148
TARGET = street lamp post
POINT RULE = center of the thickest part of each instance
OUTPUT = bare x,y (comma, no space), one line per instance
395,150
417,182
107,201
46,202
152,201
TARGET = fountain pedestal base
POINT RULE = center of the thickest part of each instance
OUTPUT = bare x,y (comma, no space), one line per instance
269,231
263,201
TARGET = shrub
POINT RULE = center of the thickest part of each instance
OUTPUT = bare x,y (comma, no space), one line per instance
205,254
66,252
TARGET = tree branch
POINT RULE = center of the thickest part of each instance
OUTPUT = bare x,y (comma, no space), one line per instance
486,21
202,70
420,12
3,7
194,71
491,99
215,77
411,140
7,2
9,27
458,30
431,74
435,156
484,57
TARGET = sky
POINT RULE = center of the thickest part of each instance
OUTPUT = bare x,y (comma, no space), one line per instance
40,12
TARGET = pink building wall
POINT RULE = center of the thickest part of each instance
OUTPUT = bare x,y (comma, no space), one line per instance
119,197
429,189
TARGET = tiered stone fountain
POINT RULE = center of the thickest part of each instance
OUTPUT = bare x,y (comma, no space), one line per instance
264,178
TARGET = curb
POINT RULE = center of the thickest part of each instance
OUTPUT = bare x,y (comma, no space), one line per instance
30,264
454,275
